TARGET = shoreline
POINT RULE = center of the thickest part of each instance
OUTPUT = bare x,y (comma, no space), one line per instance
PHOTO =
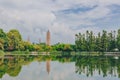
34,53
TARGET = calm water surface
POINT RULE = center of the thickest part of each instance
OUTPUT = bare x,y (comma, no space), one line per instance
59,68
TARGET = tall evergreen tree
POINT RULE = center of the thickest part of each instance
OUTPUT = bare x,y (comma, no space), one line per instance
87,41
91,41
98,42
118,39
104,41
112,41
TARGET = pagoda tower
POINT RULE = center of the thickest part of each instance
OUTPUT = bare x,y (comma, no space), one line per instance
48,38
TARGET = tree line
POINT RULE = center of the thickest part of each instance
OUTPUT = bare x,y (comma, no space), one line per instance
104,41
12,41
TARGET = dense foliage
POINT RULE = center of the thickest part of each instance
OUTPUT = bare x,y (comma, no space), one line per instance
103,42
12,41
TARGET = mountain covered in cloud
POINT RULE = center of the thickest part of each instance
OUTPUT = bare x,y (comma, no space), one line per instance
63,18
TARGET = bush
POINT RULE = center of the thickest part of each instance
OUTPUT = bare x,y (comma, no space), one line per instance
2,53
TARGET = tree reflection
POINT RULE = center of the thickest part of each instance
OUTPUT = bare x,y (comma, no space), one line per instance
102,65
88,65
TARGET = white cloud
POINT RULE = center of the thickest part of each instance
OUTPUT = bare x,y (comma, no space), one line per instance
99,12
62,33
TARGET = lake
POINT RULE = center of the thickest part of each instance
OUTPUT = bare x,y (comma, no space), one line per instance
64,67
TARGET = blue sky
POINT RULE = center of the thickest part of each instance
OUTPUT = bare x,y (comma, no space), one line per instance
64,18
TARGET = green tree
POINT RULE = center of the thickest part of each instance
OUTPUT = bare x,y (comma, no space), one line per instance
78,41
21,46
1,44
83,43
118,39
112,41
59,47
3,40
104,41
48,48
91,41
14,39
29,46
87,41
67,47
37,47
98,42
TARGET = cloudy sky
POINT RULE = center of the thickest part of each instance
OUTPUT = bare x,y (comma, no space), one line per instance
63,18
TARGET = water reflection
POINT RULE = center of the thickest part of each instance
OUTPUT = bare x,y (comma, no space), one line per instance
59,68
48,66
101,65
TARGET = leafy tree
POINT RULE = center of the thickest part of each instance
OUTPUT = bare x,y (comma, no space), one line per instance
112,41
73,47
1,44
104,41
21,46
59,47
91,41
79,41
37,47
98,42
118,39
87,41
84,45
3,40
67,47
48,48
28,46
14,39
101,42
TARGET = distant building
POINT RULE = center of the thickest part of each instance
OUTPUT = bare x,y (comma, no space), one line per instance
28,39
48,38
39,40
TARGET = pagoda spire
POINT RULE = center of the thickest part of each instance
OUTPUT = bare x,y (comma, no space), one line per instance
48,38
